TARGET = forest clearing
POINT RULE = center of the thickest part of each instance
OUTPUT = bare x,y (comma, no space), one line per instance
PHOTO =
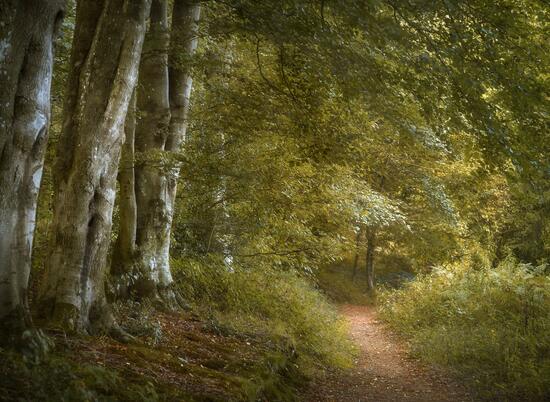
274,200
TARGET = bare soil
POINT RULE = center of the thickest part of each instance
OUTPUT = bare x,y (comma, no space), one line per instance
383,370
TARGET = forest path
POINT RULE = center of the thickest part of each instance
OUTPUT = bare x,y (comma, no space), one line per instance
382,370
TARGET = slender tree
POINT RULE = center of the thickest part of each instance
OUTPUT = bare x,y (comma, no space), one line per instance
105,58
27,33
371,244
357,249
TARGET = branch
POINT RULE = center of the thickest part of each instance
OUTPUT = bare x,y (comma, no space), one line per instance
269,83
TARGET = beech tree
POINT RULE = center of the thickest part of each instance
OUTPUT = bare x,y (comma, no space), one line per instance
142,266
105,57
27,33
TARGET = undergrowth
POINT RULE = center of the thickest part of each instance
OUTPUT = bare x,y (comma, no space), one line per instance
281,306
60,379
492,326
190,361
249,335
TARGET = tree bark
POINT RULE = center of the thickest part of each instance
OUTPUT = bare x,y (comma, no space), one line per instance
184,41
153,276
183,44
185,20
163,103
105,58
27,33
125,247
371,244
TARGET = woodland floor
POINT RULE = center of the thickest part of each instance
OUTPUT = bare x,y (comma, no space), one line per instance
383,371
196,361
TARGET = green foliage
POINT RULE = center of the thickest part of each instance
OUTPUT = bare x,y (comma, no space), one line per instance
280,305
490,325
59,379
526,224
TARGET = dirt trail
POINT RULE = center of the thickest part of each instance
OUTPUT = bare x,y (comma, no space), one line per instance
383,372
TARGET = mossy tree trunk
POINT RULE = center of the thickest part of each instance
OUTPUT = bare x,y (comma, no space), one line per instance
125,247
153,273
105,57
162,106
27,33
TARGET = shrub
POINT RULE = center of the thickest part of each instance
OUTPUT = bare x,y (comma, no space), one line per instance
490,325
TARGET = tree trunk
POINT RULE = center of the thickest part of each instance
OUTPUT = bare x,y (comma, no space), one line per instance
356,258
105,57
153,276
125,247
183,43
371,246
185,25
371,240
185,20
163,102
27,32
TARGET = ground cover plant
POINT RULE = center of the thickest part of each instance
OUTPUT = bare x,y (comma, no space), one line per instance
488,324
